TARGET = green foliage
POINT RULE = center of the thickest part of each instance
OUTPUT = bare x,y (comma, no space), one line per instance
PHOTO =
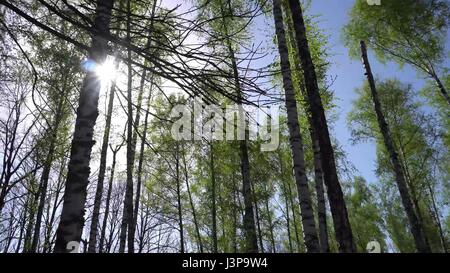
415,138
408,31
441,107
396,222
365,215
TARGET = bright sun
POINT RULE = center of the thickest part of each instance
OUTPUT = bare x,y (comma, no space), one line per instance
106,71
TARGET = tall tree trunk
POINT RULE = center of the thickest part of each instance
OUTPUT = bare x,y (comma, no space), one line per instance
30,208
335,195
269,220
258,219
56,202
144,225
127,216
11,228
191,202
180,211
29,231
235,214
132,227
308,223
8,158
321,205
47,167
108,199
72,216
416,204
286,200
251,244
288,221
296,227
213,198
133,217
101,173
249,218
22,229
294,217
412,188
223,215
437,218
318,173
103,156
441,87
112,222
416,230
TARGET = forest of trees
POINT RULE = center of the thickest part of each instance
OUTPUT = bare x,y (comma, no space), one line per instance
89,162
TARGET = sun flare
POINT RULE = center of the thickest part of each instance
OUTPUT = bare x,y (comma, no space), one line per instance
106,71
